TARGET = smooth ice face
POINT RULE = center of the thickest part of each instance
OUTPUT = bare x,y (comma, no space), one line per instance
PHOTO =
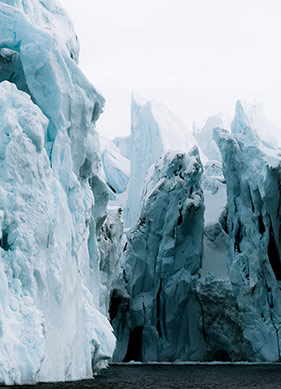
204,137
52,202
154,130
162,321
252,174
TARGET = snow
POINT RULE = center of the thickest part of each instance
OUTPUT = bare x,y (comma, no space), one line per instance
53,203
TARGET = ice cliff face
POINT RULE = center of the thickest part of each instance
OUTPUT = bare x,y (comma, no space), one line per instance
154,130
224,299
52,202
161,263
252,173
215,236
254,259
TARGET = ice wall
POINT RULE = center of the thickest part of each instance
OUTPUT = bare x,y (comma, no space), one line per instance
215,216
252,173
52,202
154,130
159,318
222,319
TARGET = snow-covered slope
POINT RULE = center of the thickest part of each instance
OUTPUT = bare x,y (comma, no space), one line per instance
154,130
52,201
204,137
161,262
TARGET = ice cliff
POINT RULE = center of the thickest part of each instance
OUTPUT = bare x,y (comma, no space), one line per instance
52,202
154,130
206,288
252,173
161,263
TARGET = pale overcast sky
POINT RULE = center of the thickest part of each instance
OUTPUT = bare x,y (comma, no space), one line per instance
196,56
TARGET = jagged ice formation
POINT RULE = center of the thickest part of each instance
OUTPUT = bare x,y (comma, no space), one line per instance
52,201
252,173
154,130
161,264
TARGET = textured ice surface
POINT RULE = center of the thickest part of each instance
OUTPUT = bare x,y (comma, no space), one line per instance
204,137
52,202
162,320
252,173
251,121
215,248
154,130
110,245
222,321
116,167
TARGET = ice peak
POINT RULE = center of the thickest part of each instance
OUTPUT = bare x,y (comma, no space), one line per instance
137,99
251,121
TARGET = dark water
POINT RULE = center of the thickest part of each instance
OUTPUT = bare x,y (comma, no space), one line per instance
179,376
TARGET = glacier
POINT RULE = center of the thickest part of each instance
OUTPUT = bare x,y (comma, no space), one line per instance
154,130
230,303
252,172
53,203
170,237
215,236
162,320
